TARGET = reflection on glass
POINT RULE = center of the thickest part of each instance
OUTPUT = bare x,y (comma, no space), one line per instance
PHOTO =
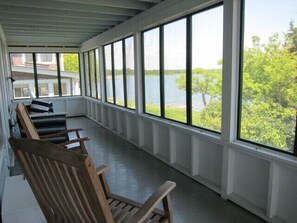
43,90
130,75
207,45
87,74
268,97
175,70
151,42
47,75
98,73
108,74
69,70
118,72
92,73
23,73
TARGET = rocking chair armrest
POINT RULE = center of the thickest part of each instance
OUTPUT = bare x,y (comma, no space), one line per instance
152,202
101,169
101,175
78,140
74,130
61,133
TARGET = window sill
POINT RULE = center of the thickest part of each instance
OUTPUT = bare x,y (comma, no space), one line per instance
264,153
191,130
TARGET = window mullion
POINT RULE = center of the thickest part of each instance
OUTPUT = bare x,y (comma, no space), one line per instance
162,95
113,74
95,73
104,74
35,75
80,74
240,78
189,70
143,73
85,76
124,73
90,79
59,74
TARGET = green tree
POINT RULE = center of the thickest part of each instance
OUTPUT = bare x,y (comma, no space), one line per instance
268,98
291,38
208,83
71,63
269,93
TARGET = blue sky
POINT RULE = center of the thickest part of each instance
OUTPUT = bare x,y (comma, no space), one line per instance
262,18
207,42
266,17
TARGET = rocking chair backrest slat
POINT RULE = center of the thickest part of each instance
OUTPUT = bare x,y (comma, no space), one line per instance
26,122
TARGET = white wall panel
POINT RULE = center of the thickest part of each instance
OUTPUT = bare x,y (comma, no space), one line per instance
75,106
132,129
163,145
183,150
121,119
251,179
146,130
210,162
287,194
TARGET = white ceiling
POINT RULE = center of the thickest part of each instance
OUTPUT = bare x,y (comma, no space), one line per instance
64,22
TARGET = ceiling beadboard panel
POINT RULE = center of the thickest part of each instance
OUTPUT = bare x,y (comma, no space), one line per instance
64,22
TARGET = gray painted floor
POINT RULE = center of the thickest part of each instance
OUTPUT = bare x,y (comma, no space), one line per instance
136,174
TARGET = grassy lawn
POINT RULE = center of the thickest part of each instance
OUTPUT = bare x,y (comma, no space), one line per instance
178,114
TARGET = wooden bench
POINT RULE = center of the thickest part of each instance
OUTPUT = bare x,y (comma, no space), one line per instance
31,132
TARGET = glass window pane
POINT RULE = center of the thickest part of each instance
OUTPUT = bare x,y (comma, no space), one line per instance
47,74
70,77
98,74
45,58
268,97
108,74
28,57
151,42
175,70
130,75
56,88
87,71
118,72
207,45
43,89
92,73
23,73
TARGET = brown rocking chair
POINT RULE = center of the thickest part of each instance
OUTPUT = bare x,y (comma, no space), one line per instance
68,188
31,133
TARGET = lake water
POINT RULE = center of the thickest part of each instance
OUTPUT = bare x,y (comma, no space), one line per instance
174,97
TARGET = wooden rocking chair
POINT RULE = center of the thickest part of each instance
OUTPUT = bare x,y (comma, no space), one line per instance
69,189
31,132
